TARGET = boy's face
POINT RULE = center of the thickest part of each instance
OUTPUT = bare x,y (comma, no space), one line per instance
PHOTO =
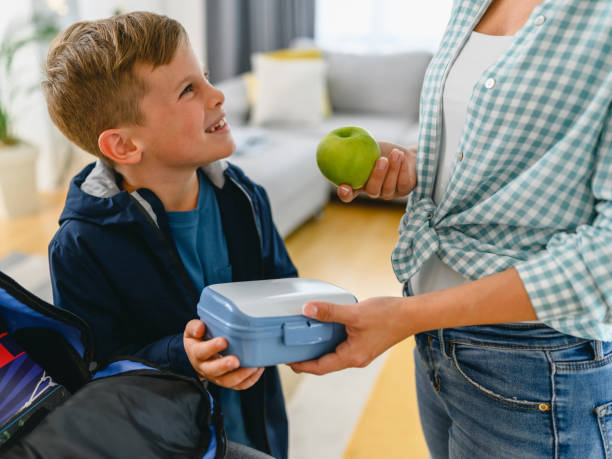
184,123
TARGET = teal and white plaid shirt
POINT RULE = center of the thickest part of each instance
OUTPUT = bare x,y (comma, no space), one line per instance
532,183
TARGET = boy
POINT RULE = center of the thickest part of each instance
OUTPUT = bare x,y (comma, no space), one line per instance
159,215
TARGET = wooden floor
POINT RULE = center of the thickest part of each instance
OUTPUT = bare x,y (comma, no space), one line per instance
32,233
350,246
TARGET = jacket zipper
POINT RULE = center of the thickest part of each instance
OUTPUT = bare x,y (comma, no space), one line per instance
254,216
188,281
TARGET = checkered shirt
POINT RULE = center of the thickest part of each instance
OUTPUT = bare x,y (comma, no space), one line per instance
532,182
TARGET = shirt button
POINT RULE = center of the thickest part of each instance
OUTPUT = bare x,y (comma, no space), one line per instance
540,20
490,83
460,156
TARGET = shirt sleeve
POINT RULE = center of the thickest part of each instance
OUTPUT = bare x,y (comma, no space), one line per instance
570,282
80,287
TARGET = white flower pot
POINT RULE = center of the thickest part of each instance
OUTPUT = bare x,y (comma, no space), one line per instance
18,192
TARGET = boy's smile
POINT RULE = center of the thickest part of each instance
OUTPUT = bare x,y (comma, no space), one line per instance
184,123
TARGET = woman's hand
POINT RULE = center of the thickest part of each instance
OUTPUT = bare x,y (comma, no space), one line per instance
393,176
209,365
376,324
372,327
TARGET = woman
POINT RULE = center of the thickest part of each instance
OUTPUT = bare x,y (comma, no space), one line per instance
509,223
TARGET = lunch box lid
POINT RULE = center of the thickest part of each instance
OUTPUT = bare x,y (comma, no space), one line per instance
263,301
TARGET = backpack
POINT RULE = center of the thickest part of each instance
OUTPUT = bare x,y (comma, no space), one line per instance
54,402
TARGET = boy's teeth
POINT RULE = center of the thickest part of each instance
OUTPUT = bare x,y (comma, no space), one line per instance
217,126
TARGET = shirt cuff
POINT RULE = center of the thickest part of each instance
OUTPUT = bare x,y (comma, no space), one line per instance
552,280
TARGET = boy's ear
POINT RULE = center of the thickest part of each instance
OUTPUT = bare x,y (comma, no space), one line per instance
116,145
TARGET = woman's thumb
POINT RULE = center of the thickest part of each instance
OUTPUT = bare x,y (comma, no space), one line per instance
328,312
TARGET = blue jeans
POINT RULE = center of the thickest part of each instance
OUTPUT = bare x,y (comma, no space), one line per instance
514,391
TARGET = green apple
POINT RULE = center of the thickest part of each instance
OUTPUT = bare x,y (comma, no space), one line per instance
347,155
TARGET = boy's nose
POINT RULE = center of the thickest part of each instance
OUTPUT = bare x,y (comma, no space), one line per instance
215,98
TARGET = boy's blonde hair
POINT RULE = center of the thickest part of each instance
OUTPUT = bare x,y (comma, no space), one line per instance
91,84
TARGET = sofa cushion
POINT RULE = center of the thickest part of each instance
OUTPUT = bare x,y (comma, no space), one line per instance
393,129
283,162
377,83
289,91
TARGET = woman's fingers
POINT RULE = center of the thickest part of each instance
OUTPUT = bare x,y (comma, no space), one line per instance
384,179
407,178
347,194
374,185
389,187
394,175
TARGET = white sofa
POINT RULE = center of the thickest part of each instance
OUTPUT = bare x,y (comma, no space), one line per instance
377,92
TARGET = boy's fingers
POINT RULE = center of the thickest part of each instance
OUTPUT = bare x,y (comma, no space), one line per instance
215,368
250,380
235,378
194,329
377,177
206,350
388,188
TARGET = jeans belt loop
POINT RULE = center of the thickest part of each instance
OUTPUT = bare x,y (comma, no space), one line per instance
597,349
442,343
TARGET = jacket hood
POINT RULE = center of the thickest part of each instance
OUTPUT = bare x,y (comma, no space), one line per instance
95,195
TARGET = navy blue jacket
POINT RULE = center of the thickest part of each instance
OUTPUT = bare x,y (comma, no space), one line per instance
114,263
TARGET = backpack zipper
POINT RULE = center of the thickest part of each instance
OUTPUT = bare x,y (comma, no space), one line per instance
61,315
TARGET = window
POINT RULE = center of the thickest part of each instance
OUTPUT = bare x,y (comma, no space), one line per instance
380,25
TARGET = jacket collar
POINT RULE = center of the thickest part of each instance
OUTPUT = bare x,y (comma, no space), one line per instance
102,180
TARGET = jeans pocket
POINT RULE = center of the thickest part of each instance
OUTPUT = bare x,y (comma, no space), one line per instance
503,375
603,413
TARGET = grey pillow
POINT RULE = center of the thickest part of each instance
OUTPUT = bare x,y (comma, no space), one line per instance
377,83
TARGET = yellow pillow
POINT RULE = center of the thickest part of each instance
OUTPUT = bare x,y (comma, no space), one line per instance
250,78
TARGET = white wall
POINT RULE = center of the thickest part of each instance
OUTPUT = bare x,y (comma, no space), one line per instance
190,13
380,25
32,121
29,114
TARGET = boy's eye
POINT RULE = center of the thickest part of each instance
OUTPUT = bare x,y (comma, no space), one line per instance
206,75
187,89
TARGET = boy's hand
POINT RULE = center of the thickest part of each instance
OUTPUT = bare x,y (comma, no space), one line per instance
393,176
206,361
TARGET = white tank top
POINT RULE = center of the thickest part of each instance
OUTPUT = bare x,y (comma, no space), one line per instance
479,53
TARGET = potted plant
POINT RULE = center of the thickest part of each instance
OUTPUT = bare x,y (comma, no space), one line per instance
18,192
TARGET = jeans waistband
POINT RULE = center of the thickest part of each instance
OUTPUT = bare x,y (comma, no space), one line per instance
517,335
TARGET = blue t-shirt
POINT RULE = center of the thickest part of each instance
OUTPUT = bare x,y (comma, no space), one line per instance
200,241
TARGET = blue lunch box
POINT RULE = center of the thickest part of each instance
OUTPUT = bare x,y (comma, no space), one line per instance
263,322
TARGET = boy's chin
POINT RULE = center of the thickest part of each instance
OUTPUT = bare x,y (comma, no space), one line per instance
229,150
